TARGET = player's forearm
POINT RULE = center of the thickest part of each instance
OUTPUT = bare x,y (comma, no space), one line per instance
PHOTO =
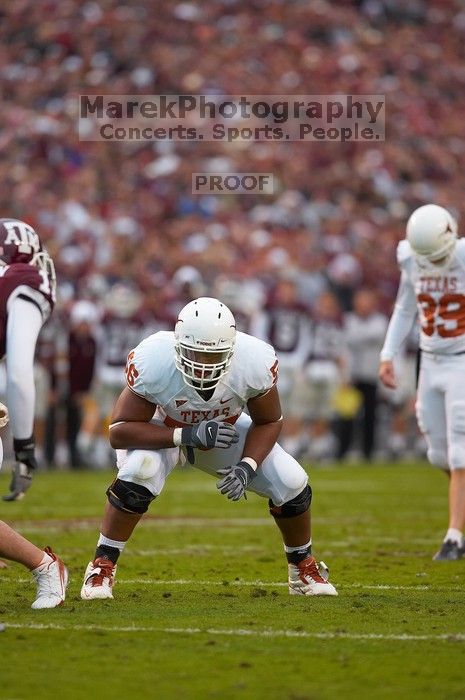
261,439
405,311
399,327
140,435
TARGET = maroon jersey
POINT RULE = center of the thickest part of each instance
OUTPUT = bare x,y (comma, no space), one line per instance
26,282
287,329
328,340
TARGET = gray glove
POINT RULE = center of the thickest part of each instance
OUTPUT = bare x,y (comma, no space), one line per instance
235,480
208,434
20,482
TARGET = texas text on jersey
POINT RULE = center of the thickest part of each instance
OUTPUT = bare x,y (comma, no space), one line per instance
26,282
438,295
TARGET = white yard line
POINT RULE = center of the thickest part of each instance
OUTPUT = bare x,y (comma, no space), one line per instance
270,584
458,637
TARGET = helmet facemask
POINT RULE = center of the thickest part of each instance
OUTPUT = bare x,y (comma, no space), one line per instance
202,368
205,334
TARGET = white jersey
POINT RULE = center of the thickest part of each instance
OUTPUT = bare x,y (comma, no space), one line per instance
437,296
152,374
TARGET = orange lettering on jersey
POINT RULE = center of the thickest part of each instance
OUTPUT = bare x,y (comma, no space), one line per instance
131,371
445,316
274,372
174,423
432,284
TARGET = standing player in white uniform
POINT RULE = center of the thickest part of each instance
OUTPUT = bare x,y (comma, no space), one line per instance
432,263
185,395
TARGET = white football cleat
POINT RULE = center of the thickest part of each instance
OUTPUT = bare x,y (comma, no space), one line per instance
98,579
310,578
51,579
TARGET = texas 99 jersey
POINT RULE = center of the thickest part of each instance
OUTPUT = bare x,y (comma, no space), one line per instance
440,297
28,282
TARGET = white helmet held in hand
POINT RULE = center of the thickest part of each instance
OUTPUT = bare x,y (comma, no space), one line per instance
432,233
205,333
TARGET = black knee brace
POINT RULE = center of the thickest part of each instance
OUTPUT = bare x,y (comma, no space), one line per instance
296,506
129,497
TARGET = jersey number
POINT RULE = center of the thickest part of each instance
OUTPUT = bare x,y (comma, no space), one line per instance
449,309
131,371
274,372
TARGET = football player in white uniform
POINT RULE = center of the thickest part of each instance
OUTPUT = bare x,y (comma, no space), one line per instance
49,572
432,263
185,396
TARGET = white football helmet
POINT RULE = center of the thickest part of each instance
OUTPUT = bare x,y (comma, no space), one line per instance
432,234
205,333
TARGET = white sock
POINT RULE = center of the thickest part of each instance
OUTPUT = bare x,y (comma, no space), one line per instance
110,543
454,535
288,550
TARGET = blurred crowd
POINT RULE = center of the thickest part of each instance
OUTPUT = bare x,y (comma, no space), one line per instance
132,244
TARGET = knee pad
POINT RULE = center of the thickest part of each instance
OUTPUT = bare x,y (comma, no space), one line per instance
129,497
298,505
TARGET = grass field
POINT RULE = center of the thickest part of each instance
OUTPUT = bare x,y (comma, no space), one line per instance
201,608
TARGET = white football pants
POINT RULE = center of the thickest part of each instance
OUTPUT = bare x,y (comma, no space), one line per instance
23,327
440,408
279,477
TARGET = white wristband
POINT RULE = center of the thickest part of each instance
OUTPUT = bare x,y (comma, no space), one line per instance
177,432
113,425
251,462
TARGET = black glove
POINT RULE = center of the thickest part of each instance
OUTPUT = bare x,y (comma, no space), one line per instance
20,482
23,471
235,480
24,452
208,434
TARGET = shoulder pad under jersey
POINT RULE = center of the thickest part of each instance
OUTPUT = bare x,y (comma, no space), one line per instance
404,253
153,364
460,251
254,366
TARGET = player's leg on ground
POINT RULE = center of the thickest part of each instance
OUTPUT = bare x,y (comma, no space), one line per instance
453,546
281,479
455,408
48,570
433,423
141,477
457,499
117,528
306,577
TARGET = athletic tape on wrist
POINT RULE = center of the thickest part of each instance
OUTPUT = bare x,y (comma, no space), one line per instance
251,462
177,437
